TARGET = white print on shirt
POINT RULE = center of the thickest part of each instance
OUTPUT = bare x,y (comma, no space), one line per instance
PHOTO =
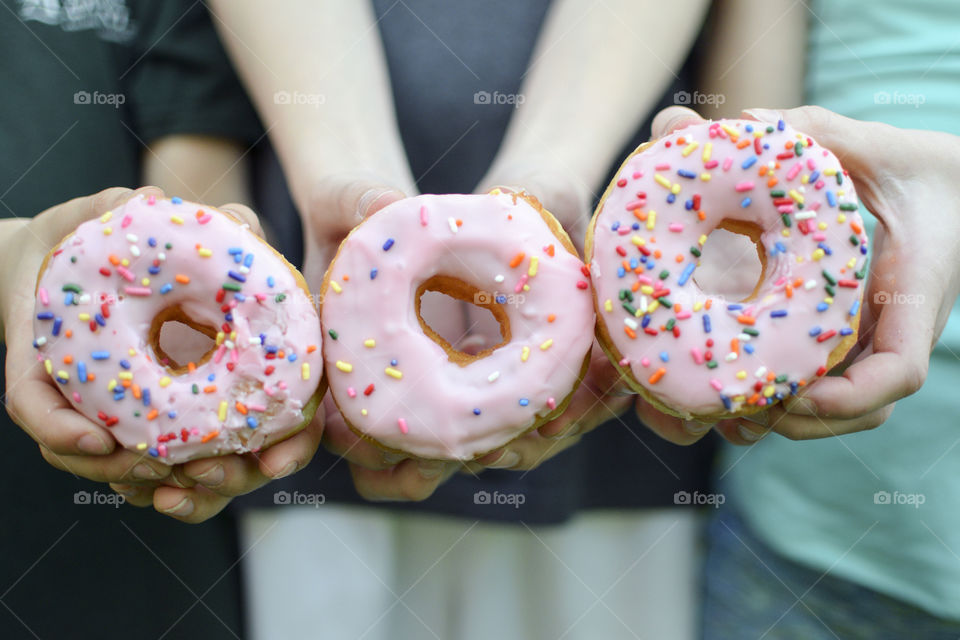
110,18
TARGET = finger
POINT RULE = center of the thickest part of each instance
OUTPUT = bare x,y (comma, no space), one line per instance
343,202
740,431
52,225
32,399
798,427
229,475
895,367
121,466
246,215
44,413
234,475
566,197
411,480
599,398
189,505
587,411
672,118
525,453
670,428
854,142
136,495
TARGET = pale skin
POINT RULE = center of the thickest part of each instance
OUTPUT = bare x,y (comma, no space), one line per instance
344,158
194,167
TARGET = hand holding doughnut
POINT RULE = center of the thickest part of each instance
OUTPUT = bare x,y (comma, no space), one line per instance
70,441
397,382
914,245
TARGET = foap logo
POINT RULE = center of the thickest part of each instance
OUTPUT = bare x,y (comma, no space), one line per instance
698,499
296,498
485,298
899,98
497,498
299,98
897,498
98,498
96,98
687,98
485,97
898,298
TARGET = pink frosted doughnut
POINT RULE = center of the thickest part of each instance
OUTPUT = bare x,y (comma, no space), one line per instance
398,383
695,354
104,292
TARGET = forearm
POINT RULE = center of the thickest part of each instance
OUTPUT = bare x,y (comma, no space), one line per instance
316,73
199,168
759,66
596,72
9,228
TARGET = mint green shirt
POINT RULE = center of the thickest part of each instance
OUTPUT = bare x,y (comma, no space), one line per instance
881,508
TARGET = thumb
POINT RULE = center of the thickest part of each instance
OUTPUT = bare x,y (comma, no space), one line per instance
340,203
246,216
54,224
854,142
673,118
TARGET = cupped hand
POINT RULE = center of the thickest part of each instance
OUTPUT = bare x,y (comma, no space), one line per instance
903,177
69,441
601,396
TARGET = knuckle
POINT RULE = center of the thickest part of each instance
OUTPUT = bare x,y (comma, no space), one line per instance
417,489
914,377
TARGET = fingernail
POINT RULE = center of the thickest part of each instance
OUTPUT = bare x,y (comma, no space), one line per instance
430,468
748,435
287,470
182,508
572,429
695,428
369,198
212,477
92,443
145,472
508,460
801,406
764,115
126,490
761,418
393,458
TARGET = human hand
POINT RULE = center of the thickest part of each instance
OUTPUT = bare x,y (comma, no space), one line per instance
338,204
67,440
599,398
914,249
333,207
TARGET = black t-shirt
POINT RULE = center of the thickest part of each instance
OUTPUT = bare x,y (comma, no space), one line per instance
85,83
450,137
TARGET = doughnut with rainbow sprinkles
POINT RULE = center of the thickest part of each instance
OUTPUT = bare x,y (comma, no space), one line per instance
694,354
106,290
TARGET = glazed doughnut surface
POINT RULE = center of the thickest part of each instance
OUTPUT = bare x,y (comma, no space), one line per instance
694,353
403,386
105,291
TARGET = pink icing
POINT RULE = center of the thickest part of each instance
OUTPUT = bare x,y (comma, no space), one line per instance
438,409
670,350
177,417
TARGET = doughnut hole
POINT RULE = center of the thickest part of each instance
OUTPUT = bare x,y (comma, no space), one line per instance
733,261
177,340
441,310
